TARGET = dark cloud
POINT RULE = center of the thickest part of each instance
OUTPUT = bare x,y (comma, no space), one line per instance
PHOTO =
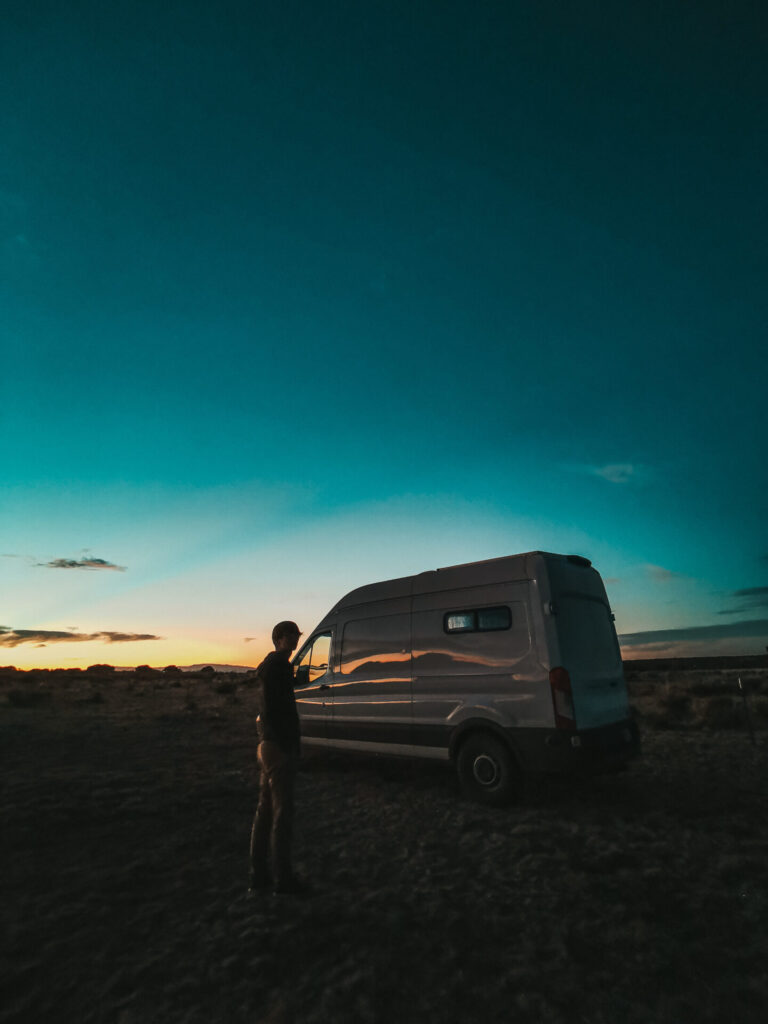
750,599
15,637
746,628
81,563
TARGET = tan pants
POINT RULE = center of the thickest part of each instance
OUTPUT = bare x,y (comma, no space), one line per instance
273,822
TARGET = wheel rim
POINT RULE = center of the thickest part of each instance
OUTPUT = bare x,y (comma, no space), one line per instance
485,770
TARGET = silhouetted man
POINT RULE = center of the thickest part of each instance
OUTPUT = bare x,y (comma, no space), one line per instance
279,738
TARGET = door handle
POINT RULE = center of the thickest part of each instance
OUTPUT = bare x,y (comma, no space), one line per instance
325,686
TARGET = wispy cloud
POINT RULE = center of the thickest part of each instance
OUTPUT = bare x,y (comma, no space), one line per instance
81,563
612,472
15,637
247,639
662,575
750,599
662,638
617,472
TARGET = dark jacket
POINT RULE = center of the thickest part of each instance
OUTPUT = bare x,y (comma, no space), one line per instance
278,717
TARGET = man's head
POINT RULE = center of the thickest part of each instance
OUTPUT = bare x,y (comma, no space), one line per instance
285,636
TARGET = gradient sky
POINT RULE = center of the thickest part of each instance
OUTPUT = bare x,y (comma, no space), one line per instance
298,296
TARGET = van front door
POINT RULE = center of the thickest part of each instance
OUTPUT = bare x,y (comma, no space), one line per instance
312,685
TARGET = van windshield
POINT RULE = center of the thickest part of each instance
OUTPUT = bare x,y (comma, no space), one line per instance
588,643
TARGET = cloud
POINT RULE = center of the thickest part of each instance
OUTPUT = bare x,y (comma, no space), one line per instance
757,594
612,472
247,639
693,638
662,575
617,472
15,637
81,563
751,599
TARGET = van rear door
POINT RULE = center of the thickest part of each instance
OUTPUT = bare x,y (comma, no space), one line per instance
589,651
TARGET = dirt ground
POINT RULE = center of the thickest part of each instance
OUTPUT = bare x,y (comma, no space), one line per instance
126,810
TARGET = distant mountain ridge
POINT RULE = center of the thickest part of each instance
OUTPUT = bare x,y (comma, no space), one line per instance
216,668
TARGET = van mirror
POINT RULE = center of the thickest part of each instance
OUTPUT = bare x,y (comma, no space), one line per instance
302,676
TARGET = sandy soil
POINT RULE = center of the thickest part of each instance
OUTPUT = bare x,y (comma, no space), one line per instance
126,810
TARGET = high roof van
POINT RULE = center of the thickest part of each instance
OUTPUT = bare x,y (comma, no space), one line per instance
504,667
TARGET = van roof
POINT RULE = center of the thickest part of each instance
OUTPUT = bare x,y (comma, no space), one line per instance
490,570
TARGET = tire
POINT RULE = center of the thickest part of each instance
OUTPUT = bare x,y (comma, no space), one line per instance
488,772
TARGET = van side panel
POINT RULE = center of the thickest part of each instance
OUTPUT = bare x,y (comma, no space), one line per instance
371,687
457,676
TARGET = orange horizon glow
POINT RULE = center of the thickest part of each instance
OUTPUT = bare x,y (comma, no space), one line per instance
229,656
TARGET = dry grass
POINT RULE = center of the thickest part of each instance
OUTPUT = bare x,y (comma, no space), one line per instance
700,699
639,898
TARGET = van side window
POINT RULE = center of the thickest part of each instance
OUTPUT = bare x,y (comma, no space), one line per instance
314,660
477,620
377,647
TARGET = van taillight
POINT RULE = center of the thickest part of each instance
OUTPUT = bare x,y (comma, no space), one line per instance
562,698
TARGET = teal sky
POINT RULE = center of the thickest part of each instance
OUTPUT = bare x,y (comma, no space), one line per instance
298,296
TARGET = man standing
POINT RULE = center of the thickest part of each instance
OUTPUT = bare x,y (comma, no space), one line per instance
278,727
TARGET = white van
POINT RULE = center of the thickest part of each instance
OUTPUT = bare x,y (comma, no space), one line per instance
504,667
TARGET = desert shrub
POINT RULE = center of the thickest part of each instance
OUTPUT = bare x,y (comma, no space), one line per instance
710,687
145,672
95,697
722,713
657,719
27,698
225,687
676,705
208,671
757,685
670,711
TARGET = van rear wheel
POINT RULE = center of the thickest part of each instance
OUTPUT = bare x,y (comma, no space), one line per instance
488,773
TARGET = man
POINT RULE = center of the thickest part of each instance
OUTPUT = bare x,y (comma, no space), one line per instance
278,728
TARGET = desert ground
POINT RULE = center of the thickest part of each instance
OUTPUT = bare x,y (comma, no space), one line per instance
126,811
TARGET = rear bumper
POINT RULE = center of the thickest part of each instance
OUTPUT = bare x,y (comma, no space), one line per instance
561,750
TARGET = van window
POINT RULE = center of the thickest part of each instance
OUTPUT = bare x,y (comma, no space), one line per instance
460,622
466,652
314,660
377,646
477,620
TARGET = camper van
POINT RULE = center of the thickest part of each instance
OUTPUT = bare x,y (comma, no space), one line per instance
504,667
